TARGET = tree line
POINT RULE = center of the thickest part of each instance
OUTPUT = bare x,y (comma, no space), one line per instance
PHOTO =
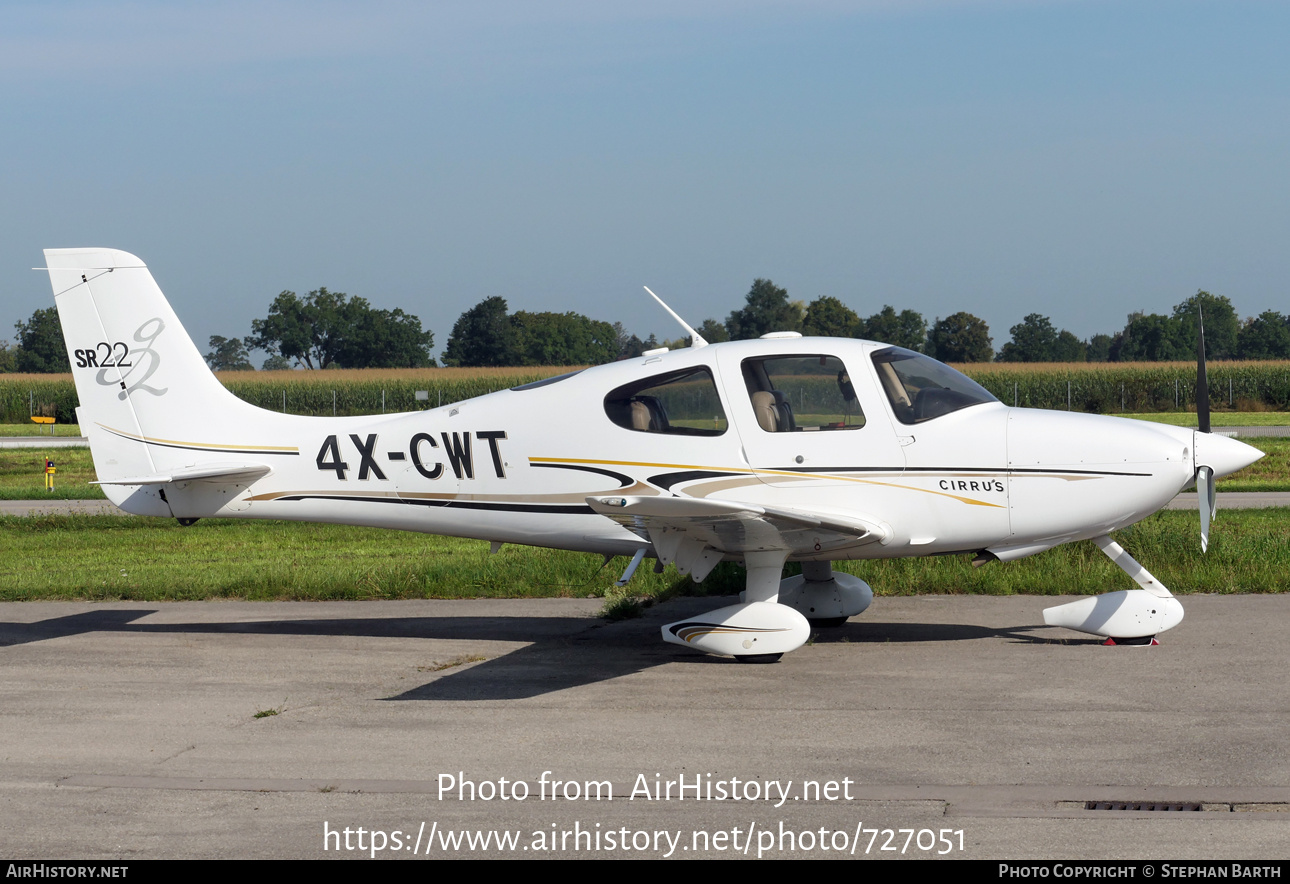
325,329
487,335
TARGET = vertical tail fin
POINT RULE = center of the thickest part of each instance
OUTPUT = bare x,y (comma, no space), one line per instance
148,402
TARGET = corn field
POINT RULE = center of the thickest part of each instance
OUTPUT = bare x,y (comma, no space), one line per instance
1105,388
340,392
376,391
1112,388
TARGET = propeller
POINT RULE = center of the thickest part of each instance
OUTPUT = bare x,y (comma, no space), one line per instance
1208,502
1205,492
1202,378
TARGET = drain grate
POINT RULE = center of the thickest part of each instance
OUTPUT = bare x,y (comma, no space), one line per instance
1140,805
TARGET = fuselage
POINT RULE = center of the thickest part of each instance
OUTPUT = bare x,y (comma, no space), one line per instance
839,427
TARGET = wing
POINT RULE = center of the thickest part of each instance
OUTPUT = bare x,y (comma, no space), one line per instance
696,534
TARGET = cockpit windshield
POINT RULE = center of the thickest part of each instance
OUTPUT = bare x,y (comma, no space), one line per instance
920,388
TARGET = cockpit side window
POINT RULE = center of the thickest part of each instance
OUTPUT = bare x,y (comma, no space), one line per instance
794,393
920,388
683,403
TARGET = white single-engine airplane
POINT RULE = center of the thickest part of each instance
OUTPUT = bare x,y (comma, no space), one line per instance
780,449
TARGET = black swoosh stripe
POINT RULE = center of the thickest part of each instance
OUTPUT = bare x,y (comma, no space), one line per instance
624,480
667,480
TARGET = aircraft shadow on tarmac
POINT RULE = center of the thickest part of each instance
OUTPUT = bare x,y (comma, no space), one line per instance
561,652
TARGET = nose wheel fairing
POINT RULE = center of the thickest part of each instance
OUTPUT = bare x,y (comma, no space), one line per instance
1126,614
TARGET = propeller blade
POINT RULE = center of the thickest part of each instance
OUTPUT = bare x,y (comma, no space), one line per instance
1202,377
1208,503
1204,474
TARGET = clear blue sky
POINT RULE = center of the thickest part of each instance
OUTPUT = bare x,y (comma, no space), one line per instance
1076,159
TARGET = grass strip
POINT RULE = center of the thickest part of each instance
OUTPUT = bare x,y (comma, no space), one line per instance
32,429
126,558
1218,418
22,474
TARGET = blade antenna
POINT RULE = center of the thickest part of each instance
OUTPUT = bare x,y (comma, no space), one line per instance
696,339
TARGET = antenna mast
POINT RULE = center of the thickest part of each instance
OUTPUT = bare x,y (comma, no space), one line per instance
696,339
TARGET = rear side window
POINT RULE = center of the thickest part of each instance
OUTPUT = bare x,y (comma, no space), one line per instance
683,403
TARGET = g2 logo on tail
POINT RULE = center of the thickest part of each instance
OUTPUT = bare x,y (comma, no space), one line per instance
128,362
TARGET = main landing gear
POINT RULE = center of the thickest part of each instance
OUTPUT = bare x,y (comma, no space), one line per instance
776,615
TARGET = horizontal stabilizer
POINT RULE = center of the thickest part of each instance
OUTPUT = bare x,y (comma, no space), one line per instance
217,474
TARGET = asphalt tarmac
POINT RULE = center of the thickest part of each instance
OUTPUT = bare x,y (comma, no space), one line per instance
925,725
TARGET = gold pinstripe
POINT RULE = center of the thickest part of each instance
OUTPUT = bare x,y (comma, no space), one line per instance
211,446
790,474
